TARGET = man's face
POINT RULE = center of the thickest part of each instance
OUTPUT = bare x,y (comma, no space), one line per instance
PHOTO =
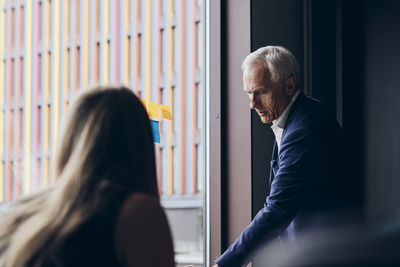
266,97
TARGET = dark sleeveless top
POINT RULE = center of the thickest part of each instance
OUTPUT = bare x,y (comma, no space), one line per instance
92,244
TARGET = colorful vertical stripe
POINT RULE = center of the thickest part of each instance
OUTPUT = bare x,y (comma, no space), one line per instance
2,95
28,97
49,50
171,86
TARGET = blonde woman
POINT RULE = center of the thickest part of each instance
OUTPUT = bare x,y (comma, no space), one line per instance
103,209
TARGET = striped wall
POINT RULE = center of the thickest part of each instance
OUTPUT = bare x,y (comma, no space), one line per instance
51,49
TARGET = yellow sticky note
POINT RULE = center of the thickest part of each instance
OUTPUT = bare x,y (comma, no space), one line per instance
153,110
166,112
145,103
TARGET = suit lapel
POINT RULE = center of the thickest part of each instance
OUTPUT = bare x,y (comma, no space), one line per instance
274,163
275,157
300,98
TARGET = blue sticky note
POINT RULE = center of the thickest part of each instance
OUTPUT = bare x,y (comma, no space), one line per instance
156,131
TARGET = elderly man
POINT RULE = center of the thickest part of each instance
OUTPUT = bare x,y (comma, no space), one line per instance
308,179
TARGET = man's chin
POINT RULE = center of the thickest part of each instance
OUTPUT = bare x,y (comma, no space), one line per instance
265,119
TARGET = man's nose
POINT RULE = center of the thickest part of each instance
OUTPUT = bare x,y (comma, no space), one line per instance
253,102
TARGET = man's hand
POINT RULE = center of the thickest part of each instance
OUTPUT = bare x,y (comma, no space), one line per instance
216,265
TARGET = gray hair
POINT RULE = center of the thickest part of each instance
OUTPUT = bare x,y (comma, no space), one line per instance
278,60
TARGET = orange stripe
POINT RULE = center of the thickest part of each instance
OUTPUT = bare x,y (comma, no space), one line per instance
12,28
48,22
77,19
21,27
46,170
67,19
18,179
11,133
19,134
20,79
77,67
11,90
138,13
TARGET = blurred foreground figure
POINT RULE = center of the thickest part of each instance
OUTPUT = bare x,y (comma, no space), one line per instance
103,209
350,246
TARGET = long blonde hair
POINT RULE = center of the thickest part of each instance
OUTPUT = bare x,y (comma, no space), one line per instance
106,143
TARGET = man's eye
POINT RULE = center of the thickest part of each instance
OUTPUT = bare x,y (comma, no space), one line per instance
260,92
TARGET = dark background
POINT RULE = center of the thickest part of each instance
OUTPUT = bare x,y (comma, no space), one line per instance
350,55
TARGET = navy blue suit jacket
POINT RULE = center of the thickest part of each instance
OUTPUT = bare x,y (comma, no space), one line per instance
307,183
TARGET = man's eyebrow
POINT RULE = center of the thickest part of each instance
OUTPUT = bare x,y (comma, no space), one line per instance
258,89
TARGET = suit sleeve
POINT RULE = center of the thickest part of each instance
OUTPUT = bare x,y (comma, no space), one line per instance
298,166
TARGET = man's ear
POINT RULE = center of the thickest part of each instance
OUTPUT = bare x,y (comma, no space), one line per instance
290,86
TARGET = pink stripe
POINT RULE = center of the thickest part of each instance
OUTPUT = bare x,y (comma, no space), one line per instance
37,122
117,41
38,74
37,174
21,28
37,147
39,21
36,98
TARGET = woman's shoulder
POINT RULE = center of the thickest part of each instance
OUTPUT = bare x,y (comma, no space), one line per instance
139,211
139,203
142,231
